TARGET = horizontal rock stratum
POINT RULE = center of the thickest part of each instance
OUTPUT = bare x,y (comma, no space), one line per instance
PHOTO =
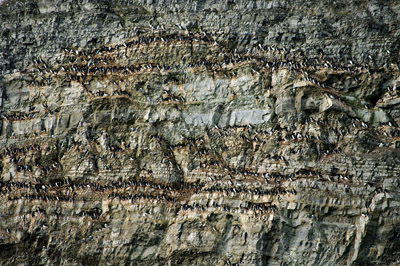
204,132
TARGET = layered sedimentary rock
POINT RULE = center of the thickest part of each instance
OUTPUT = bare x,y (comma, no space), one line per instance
199,133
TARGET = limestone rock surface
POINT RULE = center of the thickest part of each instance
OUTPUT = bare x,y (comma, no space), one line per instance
230,132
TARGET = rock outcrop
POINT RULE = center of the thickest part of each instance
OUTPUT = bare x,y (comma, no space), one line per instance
206,132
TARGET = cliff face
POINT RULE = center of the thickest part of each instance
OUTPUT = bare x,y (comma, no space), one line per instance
199,132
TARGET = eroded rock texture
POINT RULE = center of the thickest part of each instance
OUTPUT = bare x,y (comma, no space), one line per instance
199,132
